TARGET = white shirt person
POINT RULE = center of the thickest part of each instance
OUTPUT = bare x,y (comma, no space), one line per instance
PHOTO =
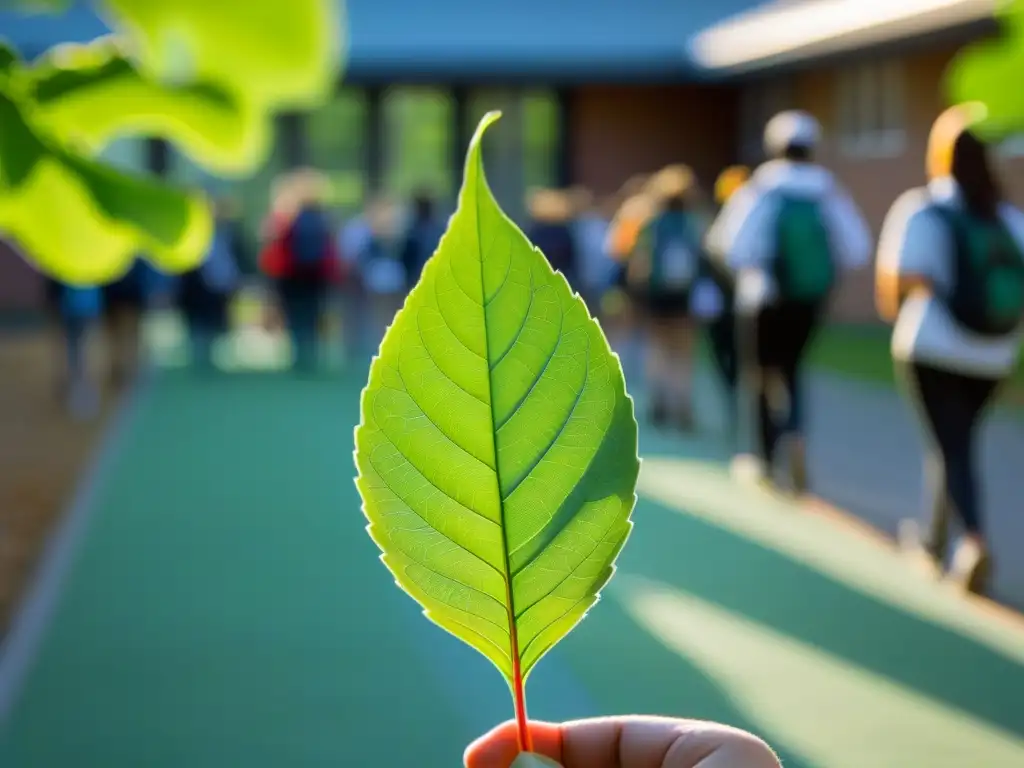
916,242
744,233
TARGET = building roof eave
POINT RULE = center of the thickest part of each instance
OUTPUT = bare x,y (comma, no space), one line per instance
788,34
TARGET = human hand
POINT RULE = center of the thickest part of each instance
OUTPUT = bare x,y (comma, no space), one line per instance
626,742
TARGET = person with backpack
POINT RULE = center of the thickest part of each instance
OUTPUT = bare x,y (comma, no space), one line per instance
301,257
79,307
421,239
382,267
950,277
205,293
788,235
664,268
721,315
550,229
590,223
635,207
124,303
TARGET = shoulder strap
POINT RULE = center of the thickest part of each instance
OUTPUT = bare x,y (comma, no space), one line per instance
954,224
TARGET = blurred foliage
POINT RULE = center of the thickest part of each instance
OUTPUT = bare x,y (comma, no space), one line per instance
989,71
207,76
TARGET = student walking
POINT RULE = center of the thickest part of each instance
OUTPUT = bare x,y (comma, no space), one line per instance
205,293
301,257
79,307
721,314
788,235
422,238
385,276
950,276
590,222
124,303
551,231
631,216
665,265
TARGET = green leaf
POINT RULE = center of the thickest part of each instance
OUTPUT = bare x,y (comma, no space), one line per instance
9,58
271,53
497,453
989,71
91,94
85,222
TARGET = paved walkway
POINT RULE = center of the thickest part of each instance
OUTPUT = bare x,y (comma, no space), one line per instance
223,606
865,453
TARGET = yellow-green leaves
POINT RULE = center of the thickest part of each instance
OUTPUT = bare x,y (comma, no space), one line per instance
269,53
208,76
989,71
497,452
84,221
91,94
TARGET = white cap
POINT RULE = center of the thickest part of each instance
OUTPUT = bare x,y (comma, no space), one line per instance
791,128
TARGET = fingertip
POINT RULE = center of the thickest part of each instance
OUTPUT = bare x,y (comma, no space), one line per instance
499,747
496,747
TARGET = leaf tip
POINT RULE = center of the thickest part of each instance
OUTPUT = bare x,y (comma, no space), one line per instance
485,122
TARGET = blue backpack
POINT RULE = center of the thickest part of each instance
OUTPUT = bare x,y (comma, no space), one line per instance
675,252
309,237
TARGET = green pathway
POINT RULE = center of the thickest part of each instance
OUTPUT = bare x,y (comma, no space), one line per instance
225,608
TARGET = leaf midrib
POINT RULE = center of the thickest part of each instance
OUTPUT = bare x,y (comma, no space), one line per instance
514,655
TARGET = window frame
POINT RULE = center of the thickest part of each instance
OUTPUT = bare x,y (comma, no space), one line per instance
871,113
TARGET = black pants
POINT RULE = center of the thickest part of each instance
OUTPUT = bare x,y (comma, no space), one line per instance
302,299
773,343
206,314
950,407
724,354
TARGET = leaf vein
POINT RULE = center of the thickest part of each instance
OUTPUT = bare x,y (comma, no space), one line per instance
547,449
598,541
519,332
428,417
437,300
593,597
504,279
433,360
475,590
429,482
540,374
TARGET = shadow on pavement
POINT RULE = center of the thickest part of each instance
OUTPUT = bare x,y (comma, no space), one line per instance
796,600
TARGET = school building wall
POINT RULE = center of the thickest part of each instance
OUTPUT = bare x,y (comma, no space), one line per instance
615,132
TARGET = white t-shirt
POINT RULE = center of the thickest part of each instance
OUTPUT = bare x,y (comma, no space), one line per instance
742,235
915,241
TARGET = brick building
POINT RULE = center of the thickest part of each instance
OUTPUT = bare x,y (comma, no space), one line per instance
596,90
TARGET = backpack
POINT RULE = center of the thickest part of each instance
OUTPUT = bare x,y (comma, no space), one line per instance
675,256
308,238
804,265
988,288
